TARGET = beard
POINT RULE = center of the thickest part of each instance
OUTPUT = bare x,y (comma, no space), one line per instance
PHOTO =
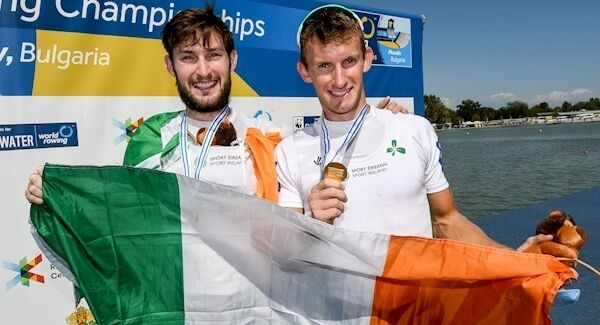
213,106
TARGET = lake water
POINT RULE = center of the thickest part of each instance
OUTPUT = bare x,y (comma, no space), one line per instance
492,170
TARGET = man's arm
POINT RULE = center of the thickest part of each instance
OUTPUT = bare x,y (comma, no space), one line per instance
449,223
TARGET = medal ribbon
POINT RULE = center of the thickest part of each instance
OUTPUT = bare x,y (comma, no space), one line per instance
350,135
210,134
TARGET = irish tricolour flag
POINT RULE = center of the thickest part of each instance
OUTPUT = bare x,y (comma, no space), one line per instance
147,247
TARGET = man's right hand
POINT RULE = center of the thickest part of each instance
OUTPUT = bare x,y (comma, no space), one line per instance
33,193
326,200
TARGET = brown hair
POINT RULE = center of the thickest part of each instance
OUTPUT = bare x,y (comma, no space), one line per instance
192,25
330,25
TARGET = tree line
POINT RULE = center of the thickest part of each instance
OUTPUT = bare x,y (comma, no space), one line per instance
469,110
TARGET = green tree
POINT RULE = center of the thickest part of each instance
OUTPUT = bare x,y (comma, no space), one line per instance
502,113
435,110
452,117
593,104
580,106
517,109
467,109
534,110
485,114
566,107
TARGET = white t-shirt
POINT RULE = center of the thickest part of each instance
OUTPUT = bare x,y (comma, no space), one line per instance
231,293
393,163
229,166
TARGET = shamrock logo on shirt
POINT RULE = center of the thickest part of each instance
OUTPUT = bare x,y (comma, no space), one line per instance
393,149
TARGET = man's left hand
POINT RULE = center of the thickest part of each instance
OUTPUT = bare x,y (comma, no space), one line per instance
393,106
533,240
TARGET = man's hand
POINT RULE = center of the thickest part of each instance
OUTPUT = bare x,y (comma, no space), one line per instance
533,240
326,200
389,104
566,255
33,193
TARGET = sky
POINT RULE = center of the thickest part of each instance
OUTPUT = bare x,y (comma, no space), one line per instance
495,52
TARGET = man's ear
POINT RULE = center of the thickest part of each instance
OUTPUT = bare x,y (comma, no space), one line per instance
303,72
233,56
368,59
169,65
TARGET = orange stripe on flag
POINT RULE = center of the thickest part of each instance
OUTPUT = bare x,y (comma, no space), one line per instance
435,281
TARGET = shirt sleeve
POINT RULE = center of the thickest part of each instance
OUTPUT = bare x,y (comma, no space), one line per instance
288,175
145,147
435,179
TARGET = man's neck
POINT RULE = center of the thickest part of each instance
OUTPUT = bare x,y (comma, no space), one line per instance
347,116
202,116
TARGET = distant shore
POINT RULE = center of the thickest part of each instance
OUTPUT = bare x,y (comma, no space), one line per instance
517,122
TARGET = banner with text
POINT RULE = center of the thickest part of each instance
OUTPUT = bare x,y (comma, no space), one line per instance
78,77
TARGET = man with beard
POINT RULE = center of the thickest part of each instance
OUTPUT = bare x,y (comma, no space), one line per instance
201,56
240,151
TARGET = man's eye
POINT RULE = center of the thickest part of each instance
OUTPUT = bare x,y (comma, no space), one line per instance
214,55
350,61
324,66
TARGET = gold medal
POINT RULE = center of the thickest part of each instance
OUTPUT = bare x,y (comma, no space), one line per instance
336,170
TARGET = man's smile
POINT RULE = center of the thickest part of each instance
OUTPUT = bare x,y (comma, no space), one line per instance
340,93
204,85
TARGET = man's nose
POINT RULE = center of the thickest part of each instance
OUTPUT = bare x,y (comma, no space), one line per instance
203,68
339,78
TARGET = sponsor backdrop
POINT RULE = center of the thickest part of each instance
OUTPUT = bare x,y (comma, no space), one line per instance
78,77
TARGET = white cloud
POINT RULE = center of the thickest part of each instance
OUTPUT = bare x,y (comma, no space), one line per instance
500,99
503,96
582,91
558,96
448,102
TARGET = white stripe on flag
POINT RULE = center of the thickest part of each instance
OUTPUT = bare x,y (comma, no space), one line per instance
241,263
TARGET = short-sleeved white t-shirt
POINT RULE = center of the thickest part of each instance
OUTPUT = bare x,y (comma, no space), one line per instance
229,166
393,163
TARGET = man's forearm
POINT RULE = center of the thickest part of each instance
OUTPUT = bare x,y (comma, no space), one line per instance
458,227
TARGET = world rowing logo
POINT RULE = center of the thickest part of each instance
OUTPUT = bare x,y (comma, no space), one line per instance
66,131
24,274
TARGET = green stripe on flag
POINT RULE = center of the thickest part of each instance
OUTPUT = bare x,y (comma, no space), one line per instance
110,226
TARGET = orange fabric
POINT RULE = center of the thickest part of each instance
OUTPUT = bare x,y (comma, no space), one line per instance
262,148
460,283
